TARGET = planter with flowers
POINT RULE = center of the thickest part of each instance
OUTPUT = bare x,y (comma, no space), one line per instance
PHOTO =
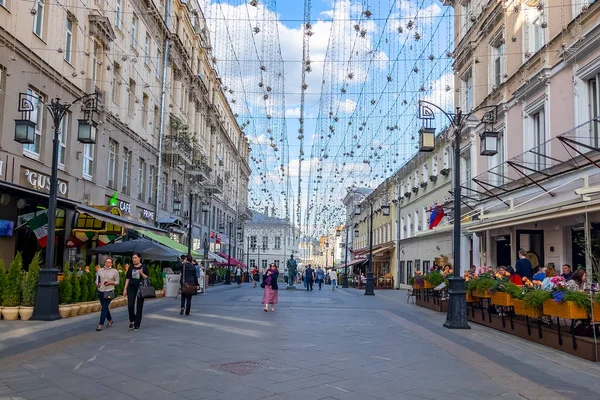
595,313
504,291
470,298
480,285
565,303
417,281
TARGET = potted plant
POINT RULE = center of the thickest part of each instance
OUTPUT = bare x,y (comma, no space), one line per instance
503,291
534,299
11,298
84,294
75,293
480,285
445,171
565,303
433,178
434,278
65,294
29,288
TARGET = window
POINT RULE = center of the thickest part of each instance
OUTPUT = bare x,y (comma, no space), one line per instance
147,50
265,242
252,263
119,14
88,161
426,266
141,179
38,17
465,167
126,171
253,242
409,269
416,221
534,32
156,123
174,187
416,179
112,161
497,61
539,139
68,39
409,226
116,83
579,5
276,262
402,228
264,263
95,59
425,221
131,97
425,173
62,140
134,23
158,63
145,110
277,242
151,183
417,265
593,97
36,116
467,90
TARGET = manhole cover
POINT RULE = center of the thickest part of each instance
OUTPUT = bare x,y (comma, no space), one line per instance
242,367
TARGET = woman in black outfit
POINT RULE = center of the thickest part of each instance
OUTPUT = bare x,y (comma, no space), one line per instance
188,276
135,274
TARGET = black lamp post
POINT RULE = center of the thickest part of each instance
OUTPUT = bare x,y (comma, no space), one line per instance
228,274
457,302
345,277
46,301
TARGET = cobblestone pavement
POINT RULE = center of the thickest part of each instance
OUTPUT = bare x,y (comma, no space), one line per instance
318,345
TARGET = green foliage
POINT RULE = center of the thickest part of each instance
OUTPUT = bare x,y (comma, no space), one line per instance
2,280
29,285
472,284
513,290
411,280
581,299
485,282
92,291
76,295
65,289
435,278
12,284
536,298
84,287
596,296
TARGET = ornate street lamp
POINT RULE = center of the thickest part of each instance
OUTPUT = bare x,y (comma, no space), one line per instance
176,206
46,301
426,139
87,131
385,209
356,233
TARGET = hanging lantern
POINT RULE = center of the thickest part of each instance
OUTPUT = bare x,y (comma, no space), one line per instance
426,139
24,131
87,131
489,143
357,210
176,206
356,233
385,209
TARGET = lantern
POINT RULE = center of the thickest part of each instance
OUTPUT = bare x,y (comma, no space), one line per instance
24,131
356,233
86,132
426,139
489,143
385,209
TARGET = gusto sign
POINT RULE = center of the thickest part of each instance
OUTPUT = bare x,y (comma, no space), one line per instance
39,181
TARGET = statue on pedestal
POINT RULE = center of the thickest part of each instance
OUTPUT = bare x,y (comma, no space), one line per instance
291,269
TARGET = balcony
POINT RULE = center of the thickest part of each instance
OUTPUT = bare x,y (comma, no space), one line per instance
215,184
176,151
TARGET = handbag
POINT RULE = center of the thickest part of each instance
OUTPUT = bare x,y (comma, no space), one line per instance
187,289
109,295
146,291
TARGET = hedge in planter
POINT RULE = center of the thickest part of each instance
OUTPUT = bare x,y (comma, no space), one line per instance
29,285
12,284
2,280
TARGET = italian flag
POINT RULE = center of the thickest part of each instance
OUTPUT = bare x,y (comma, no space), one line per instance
39,226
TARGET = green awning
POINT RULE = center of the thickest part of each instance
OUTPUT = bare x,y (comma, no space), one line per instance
167,241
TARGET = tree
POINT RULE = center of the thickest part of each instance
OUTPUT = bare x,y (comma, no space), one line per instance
65,290
30,283
2,280
76,287
12,285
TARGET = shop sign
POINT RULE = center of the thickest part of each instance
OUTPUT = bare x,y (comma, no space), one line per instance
124,206
147,215
41,182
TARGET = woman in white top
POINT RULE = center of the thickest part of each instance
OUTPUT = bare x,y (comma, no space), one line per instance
333,278
106,280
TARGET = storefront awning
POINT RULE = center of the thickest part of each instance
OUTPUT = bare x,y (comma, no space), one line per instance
216,258
383,249
115,219
167,241
229,261
507,219
353,262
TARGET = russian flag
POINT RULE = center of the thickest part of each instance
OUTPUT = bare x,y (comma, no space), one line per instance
437,214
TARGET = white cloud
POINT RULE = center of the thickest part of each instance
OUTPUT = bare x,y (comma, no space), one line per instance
292,112
259,140
347,106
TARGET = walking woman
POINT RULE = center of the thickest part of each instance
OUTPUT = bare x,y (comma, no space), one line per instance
255,276
189,285
106,280
271,293
135,274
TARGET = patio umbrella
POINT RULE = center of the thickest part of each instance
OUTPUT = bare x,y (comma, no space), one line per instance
147,248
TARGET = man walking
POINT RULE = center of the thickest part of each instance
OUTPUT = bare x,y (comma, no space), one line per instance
320,277
310,277
333,278
523,267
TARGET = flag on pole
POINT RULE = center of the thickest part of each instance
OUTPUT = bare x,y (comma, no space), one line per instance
39,226
437,214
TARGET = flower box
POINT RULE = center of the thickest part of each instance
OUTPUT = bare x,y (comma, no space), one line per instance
502,299
416,286
595,312
482,294
564,309
471,298
523,309
427,285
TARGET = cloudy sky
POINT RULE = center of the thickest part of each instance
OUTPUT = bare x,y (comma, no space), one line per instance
368,64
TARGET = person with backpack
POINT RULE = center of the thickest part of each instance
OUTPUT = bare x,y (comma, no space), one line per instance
189,285
239,272
320,277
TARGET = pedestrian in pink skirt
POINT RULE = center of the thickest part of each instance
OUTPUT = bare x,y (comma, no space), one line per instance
271,293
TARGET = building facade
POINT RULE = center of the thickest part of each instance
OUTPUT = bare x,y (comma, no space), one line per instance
153,152
271,240
540,63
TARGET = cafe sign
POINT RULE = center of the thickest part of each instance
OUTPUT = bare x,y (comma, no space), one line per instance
41,182
124,206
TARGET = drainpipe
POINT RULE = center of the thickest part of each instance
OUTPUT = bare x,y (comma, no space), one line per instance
398,270
163,88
